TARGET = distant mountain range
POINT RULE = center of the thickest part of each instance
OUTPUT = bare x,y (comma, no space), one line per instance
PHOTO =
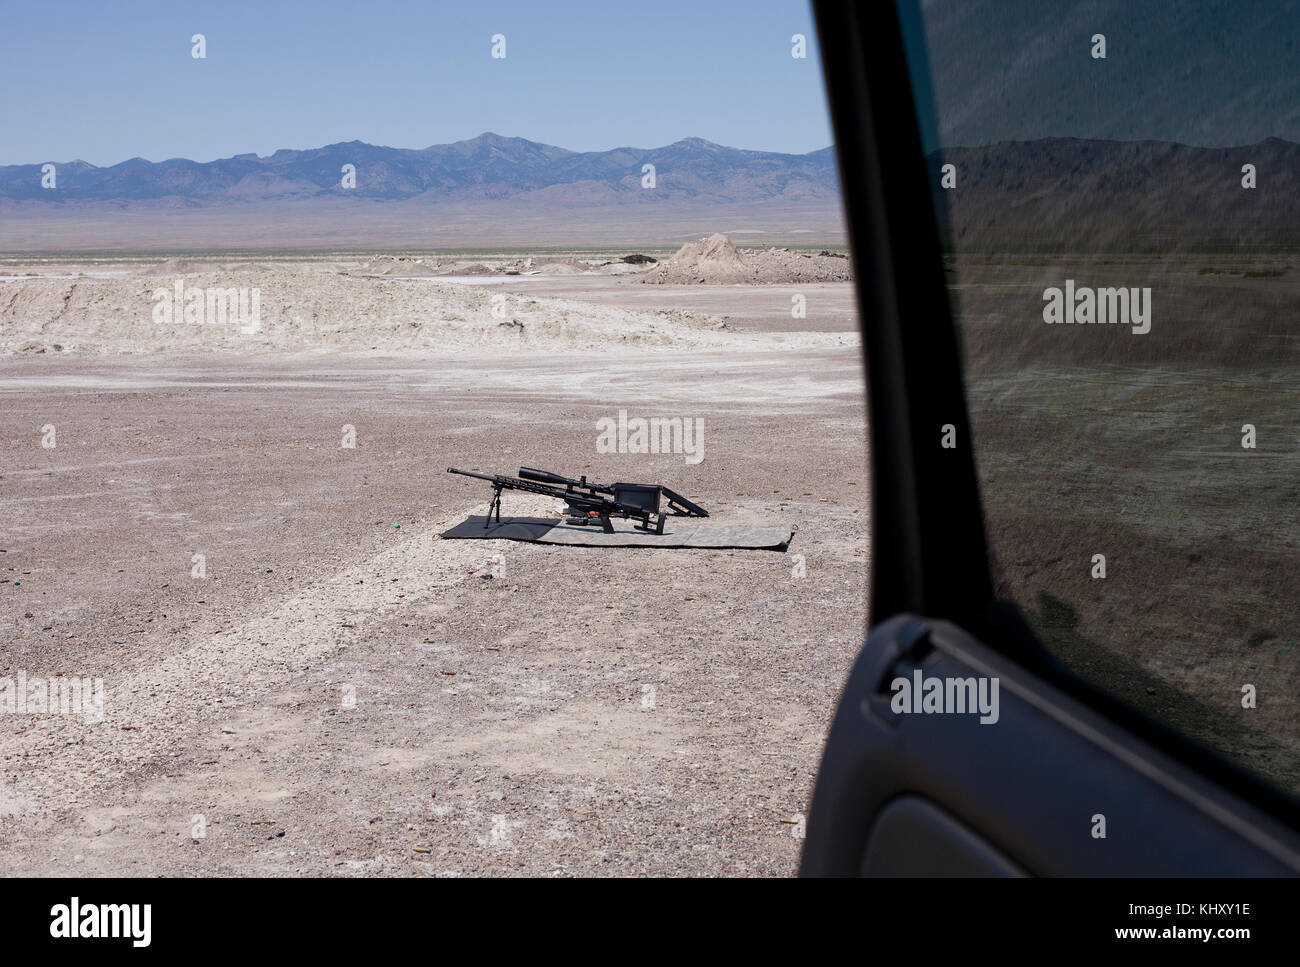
488,167
1055,194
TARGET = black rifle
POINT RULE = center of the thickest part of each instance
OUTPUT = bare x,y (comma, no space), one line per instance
587,501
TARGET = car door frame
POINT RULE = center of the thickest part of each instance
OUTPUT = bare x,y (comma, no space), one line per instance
931,596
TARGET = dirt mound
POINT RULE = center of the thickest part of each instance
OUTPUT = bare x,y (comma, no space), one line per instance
296,311
712,260
716,261
398,267
466,268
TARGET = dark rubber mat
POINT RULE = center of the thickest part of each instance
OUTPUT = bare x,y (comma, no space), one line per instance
678,532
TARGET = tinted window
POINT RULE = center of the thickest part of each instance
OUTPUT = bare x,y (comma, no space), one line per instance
1119,191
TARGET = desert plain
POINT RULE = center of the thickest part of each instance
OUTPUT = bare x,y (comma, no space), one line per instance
338,691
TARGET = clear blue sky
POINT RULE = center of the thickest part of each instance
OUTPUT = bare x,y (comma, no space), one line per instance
106,81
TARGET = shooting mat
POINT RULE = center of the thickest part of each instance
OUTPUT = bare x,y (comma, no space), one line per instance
678,532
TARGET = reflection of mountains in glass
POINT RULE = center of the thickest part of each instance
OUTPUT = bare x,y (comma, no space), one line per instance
1065,194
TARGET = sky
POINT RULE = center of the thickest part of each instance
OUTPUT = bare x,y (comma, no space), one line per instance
107,81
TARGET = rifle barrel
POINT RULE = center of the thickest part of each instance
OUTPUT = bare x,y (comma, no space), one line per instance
470,473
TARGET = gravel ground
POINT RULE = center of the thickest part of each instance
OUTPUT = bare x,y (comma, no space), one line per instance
344,693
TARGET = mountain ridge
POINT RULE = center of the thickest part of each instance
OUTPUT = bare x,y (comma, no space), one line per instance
1051,194
688,168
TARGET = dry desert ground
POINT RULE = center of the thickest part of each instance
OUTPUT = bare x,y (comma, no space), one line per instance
342,692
